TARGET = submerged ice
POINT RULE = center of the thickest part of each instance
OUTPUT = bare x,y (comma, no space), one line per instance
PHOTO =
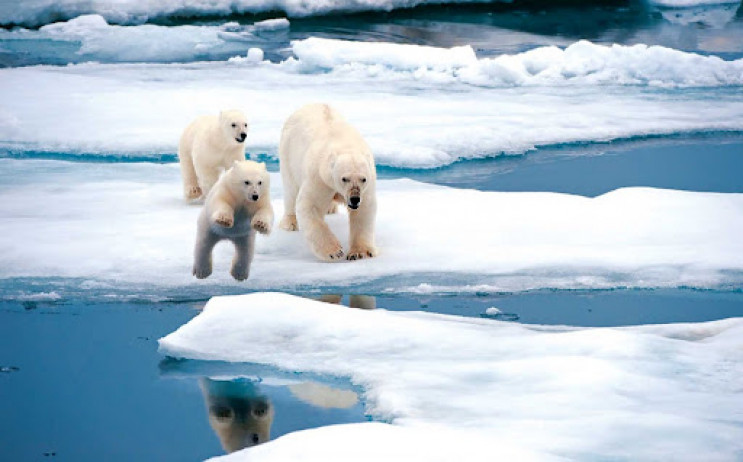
483,389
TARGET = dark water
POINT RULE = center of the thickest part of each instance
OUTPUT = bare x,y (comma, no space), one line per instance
491,29
85,381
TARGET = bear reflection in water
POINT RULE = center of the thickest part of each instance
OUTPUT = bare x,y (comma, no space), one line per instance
240,416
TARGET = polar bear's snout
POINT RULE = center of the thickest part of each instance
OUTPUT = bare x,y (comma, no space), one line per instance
354,202
242,137
255,197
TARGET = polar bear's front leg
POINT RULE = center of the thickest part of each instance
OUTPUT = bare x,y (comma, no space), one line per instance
263,220
361,222
191,189
223,214
244,246
311,210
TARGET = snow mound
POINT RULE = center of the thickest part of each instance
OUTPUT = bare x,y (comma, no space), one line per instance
636,393
582,63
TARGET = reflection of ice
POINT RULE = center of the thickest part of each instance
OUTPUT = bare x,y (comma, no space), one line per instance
715,16
240,416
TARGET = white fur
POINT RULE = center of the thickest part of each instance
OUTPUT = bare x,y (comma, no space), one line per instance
208,146
237,206
324,159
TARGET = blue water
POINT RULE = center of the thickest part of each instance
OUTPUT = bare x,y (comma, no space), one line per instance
81,378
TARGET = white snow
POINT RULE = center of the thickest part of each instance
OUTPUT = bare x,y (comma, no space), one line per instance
127,225
415,118
456,388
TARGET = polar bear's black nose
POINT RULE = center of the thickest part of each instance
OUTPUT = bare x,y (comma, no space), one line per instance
354,201
255,197
242,136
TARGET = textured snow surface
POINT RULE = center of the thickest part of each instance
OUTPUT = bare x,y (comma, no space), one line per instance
418,107
127,224
480,388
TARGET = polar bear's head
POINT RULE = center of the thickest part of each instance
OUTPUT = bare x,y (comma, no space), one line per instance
249,179
240,416
352,176
234,124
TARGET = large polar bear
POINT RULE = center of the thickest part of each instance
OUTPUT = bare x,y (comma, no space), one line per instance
208,146
322,159
237,207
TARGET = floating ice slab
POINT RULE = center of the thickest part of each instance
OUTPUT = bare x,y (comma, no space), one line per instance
127,224
416,106
485,389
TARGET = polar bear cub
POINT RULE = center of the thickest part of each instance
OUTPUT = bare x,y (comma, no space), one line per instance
237,207
323,158
208,146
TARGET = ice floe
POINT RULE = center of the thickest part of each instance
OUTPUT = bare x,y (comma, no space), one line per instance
483,389
413,104
109,225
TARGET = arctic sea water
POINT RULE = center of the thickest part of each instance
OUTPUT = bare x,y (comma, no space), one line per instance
514,98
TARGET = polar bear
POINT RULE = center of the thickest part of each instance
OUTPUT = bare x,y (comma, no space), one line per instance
322,159
207,147
237,207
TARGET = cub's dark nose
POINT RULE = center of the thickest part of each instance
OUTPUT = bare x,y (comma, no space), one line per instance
255,197
354,202
242,136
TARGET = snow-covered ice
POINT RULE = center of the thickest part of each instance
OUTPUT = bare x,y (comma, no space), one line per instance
482,389
416,106
127,225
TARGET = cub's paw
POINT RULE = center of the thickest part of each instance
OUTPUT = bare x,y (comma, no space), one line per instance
260,225
202,272
289,223
240,274
193,192
359,252
223,219
333,209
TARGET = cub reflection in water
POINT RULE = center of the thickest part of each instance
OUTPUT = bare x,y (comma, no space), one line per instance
239,415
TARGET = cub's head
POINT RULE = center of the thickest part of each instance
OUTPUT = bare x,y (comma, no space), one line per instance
352,176
249,179
234,124
240,416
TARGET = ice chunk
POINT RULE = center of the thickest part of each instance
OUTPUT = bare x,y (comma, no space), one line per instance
639,393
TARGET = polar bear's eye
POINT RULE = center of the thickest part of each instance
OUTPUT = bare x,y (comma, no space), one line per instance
245,125
248,182
344,179
260,183
234,125
363,180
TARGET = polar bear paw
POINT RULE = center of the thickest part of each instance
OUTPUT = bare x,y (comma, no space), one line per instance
330,252
193,192
223,219
240,273
289,223
261,225
359,252
202,272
